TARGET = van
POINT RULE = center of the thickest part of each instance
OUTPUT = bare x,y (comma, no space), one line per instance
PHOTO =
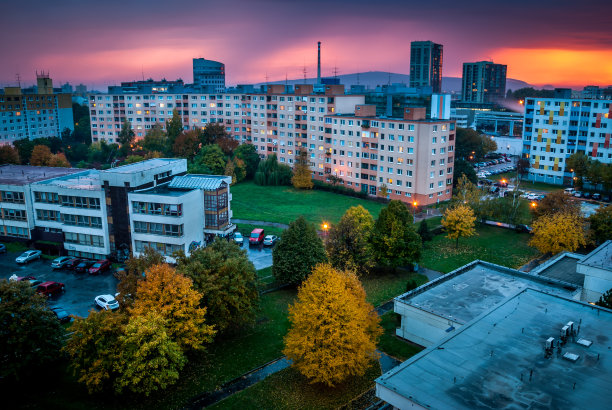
257,236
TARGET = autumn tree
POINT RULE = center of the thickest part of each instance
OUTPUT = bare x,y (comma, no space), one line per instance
30,334
224,275
302,175
59,160
149,359
126,137
94,347
187,144
395,243
213,132
239,169
558,232
171,296
348,242
555,202
9,155
383,192
134,272
298,251
174,128
601,224
459,222
230,171
468,193
333,330
248,154
227,144
41,155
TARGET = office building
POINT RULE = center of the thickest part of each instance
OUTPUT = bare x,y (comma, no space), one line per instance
555,128
32,113
209,75
426,65
483,82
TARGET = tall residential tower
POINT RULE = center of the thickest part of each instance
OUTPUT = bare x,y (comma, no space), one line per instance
426,65
483,82
209,74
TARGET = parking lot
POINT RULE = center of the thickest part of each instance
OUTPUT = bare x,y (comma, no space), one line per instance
260,255
81,288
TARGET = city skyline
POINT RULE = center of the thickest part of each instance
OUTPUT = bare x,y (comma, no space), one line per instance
544,43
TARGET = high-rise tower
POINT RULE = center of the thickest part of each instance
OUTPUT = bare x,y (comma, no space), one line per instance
426,65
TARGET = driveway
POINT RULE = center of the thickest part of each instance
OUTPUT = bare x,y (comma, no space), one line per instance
261,256
81,289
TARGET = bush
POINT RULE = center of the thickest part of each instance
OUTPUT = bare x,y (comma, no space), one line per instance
342,190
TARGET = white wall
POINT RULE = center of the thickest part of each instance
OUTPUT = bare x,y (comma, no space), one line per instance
421,327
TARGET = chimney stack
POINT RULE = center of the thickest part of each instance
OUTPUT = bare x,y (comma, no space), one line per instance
319,63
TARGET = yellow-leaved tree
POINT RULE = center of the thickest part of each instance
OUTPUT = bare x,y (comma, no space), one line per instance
333,329
170,295
302,176
459,222
561,231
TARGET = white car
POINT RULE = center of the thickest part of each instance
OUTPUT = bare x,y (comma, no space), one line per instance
60,262
107,302
270,240
238,238
28,256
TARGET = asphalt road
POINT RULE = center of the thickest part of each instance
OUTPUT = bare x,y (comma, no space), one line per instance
81,288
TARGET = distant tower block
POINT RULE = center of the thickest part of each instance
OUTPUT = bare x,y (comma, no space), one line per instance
44,83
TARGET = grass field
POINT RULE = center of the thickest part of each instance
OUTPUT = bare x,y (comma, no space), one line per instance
246,229
284,204
497,245
381,288
525,184
391,344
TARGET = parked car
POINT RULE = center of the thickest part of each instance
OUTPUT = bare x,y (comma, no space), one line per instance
586,195
61,314
50,288
597,197
83,266
569,191
524,228
15,278
106,302
2,248
60,262
238,238
72,263
578,194
28,256
270,240
100,266
257,236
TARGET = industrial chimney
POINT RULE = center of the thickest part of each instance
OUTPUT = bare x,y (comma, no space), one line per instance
319,63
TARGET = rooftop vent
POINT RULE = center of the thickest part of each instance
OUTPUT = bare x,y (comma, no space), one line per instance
584,342
572,357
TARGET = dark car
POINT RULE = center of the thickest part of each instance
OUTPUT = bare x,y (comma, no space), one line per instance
61,314
83,266
71,264
100,267
597,197
50,288
586,195
524,228
605,198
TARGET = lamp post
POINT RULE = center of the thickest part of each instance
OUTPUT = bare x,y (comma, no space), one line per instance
325,227
414,207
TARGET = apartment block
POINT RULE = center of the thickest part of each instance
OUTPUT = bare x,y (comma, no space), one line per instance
555,128
426,65
483,82
34,113
209,74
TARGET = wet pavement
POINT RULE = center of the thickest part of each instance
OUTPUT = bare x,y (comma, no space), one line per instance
81,288
261,256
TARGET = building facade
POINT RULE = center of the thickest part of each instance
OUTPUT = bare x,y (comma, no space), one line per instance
35,113
209,74
426,65
483,82
555,128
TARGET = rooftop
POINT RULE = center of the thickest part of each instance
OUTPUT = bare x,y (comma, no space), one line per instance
198,181
164,191
477,287
498,360
562,267
26,174
142,165
601,257
85,179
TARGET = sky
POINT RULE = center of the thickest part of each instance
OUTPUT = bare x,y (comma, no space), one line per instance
104,42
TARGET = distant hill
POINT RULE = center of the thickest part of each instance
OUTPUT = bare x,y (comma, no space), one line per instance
371,79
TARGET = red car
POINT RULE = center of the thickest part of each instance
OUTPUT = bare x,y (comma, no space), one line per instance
50,288
257,236
100,266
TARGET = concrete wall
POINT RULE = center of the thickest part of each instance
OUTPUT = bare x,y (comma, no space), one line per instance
421,327
396,400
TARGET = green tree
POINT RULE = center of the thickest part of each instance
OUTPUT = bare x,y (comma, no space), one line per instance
605,300
230,171
9,155
224,275
30,334
601,224
156,139
210,160
348,243
174,128
101,152
149,359
424,231
24,147
126,136
578,163
298,251
459,222
522,167
302,175
596,173
270,172
468,193
132,159
395,243
470,143
213,132
463,167
248,153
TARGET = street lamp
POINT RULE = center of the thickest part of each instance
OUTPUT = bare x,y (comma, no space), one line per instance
325,227
414,207
533,205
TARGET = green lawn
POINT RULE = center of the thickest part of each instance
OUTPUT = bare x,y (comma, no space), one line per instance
288,389
497,245
391,344
246,229
284,204
526,184
381,288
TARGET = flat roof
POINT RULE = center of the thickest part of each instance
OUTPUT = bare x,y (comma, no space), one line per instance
562,267
498,360
601,257
163,190
142,165
475,288
27,174
199,181
86,179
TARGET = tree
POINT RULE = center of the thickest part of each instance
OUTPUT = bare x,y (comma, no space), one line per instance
522,167
383,191
101,152
170,295
30,334
134,272
156,139
578,163
94,347
298,251
596,173
424,231
270,172
213,132
132,159
333,330
174,128
187,144
210,160
561,231
394,241
59,160
556,202
601,224
302,176
230,171
126,136
9,155
488,145
459,222
463,167
468,193
227,144
226,278
149,359
41,155
605,300
239,169
470,143
24,147
348,244
248,153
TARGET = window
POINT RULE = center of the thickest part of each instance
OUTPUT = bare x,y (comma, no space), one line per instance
80,202
47,215
13,214
166,249
46,197
84,239
14,197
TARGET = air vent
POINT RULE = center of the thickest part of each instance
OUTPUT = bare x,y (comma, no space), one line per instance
572,357
584,342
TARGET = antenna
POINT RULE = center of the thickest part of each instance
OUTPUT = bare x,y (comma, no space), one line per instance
318,62
335,71
304,71
142,71
286,80
18,80
266,78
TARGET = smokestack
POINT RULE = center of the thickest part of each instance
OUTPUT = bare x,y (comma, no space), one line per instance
319,63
